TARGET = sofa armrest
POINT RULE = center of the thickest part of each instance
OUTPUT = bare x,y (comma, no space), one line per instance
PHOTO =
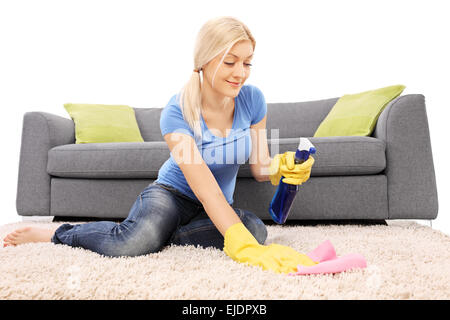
41,131
412,191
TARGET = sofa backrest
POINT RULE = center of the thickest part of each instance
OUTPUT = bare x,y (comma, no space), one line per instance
290,119
296,119
148,122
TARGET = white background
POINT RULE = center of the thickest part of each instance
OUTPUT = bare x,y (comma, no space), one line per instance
140,53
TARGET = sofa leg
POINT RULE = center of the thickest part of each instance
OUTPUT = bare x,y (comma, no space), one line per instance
431,223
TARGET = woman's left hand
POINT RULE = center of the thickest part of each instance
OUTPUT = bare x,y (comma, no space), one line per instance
283,165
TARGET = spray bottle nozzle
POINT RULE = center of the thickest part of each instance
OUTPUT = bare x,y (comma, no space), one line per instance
305,148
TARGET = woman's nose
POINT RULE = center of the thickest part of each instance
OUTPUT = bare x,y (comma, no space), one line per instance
239,71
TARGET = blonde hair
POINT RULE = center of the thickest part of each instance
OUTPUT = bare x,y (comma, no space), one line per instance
215,36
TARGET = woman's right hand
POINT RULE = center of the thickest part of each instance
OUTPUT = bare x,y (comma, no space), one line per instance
241,246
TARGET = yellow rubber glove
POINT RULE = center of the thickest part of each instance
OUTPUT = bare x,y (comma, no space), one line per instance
284,165
241,246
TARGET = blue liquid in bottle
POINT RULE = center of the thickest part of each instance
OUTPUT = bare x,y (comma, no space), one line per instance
284,196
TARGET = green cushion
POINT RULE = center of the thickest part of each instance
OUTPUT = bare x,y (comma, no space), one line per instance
357,114
100,123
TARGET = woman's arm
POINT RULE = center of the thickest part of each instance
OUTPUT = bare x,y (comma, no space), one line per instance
201,180
260,158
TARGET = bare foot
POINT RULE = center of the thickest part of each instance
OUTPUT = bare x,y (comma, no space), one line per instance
28,234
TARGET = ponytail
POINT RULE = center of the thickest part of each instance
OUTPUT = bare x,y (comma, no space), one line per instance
190,100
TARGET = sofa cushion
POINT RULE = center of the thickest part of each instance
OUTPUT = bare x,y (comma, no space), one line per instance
335,156
100,123
357,114
108,160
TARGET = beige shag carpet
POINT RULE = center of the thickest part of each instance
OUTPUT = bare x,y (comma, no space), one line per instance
405,260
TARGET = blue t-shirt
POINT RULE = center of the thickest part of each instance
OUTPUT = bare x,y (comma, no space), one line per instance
223,156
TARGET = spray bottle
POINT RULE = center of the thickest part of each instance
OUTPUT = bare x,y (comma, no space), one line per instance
284,196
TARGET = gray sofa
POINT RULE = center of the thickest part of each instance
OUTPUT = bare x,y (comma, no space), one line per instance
389,175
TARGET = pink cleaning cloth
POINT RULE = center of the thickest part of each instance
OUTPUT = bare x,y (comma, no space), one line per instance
329,262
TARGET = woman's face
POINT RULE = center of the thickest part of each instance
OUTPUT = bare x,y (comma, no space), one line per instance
232,72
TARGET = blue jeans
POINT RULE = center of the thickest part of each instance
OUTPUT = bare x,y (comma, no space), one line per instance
160,216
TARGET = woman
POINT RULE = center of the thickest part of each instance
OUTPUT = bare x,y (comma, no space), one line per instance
191,201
